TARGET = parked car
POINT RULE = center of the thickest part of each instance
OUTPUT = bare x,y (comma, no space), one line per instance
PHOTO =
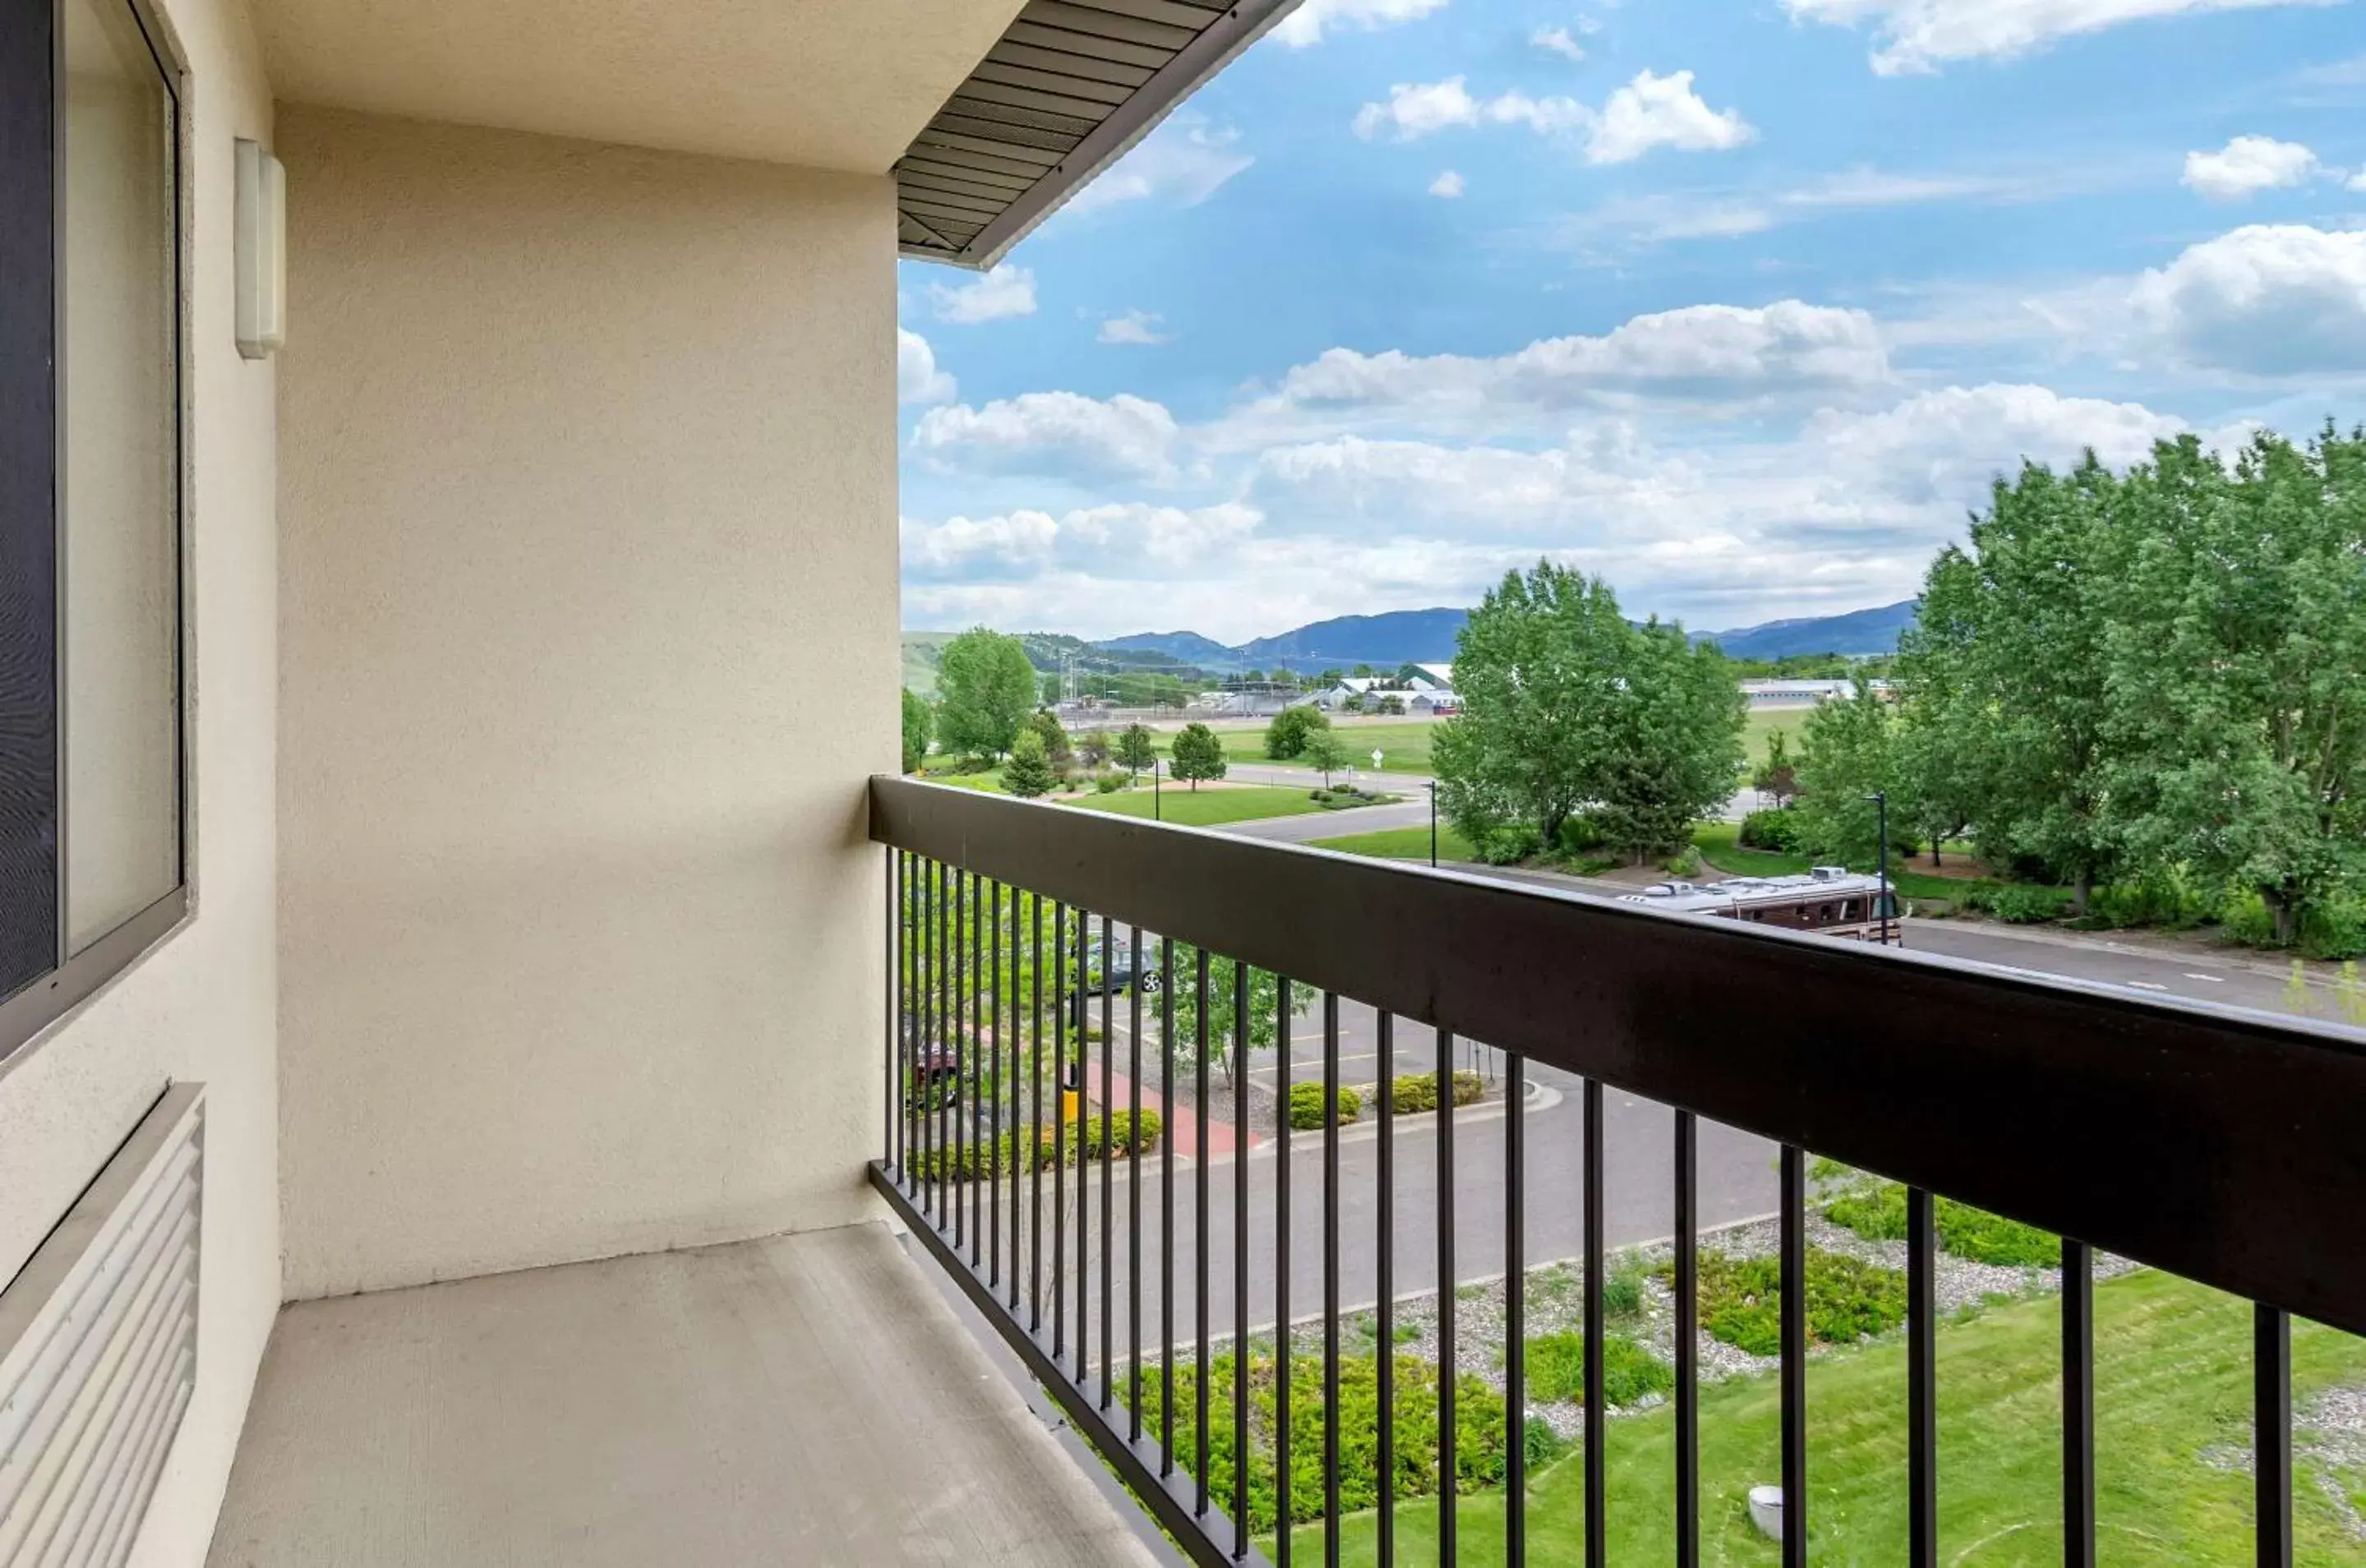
1121,977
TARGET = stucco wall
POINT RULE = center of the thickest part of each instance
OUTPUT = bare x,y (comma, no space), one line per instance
201,1005
588,640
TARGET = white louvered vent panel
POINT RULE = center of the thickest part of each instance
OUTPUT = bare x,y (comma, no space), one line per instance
99,1349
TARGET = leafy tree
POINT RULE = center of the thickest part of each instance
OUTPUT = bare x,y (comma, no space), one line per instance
919,721
1135,749
1353,703
2236,668
1848,750
1223,978
1093,748
1777,776
1056,750
1392,704
1673,743
1326,752
1028,773
1364,671
1285,735
1198,755
985,689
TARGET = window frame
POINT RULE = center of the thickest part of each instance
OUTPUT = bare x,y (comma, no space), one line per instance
33,368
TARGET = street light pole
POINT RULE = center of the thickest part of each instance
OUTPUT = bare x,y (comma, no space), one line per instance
1433,824
1880,799
1155,814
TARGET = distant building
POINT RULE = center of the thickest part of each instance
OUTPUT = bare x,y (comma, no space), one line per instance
1806,693
1434,703
1434,677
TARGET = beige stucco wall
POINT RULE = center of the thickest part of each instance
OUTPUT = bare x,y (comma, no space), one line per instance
201,1005
587,639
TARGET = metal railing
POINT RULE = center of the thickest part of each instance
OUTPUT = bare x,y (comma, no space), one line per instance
2221,1146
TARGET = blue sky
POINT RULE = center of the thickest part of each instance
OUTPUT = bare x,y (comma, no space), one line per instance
1738,303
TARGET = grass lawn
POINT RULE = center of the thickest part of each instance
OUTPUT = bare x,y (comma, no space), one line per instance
1400,843
1199,808
2172,1377
1759,723
1717,844
1403,744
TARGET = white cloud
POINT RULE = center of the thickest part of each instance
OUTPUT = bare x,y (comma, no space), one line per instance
1006,291
1697,356
1662,111
1556,40
2266,300
1055,433
1650,111
1305,25
2246,165
1133,327
1449,184
1920,35
1942,447
2357,182
1117,540
917,379
1183,163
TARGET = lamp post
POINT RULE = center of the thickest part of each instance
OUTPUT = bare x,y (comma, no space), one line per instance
1880,799
1433,824
1155,813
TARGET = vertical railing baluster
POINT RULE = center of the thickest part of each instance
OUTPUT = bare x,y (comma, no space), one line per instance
993,1040
1199,1235
900,977
1241,981
1688,1341
1283,1048
1059,1130
1108,1150
1084,1171
1385,1283
2077,1405
889,988
1019,1163
1133,1197
957,1141
932,1018
1035,1133
1449,1470
1515,1318
1922,1380
2272,1433
1795,1356
948,1031
1331,1280
1597,1423
979,928
1166,1210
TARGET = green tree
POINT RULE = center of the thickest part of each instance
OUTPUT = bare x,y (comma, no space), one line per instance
2237,668
1056,750
1028,774
1286,734
1326,752
1848,750
985,689
1135,749
1672,743
1223,979
1198,755
1093,748
1392,704
1777,776
919,721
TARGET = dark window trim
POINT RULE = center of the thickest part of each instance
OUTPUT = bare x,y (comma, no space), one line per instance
46,982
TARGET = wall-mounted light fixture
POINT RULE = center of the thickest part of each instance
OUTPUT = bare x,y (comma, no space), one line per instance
262,219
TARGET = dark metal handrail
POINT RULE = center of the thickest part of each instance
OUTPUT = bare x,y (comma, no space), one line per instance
2219,1144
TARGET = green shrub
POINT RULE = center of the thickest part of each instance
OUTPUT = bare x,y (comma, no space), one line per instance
1411,1094
1683,862
1776,831
1306,1105
2335,931
1480,1430
1579,835
2163,900
1541,1443
1740,1299
2245,920
1630,1372
1622,1293
1092,1139
1509,846
1109,782
1878,1213
2020,906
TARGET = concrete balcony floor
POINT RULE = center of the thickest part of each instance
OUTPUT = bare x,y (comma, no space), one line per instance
806,1399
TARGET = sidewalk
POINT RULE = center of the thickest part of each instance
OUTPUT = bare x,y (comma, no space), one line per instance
1181,1131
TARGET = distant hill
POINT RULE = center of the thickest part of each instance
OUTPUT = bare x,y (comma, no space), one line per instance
1399,636
1184,648
1857,633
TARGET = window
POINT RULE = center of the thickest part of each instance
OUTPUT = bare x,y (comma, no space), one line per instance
90,526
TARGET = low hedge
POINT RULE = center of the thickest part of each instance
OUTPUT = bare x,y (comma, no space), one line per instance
1411,1094
1630,1372
1480,1459
1008,1153
1306,1105
1740,1299
1878,1213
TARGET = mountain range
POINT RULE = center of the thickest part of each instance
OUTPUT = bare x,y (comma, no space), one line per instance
1426,636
